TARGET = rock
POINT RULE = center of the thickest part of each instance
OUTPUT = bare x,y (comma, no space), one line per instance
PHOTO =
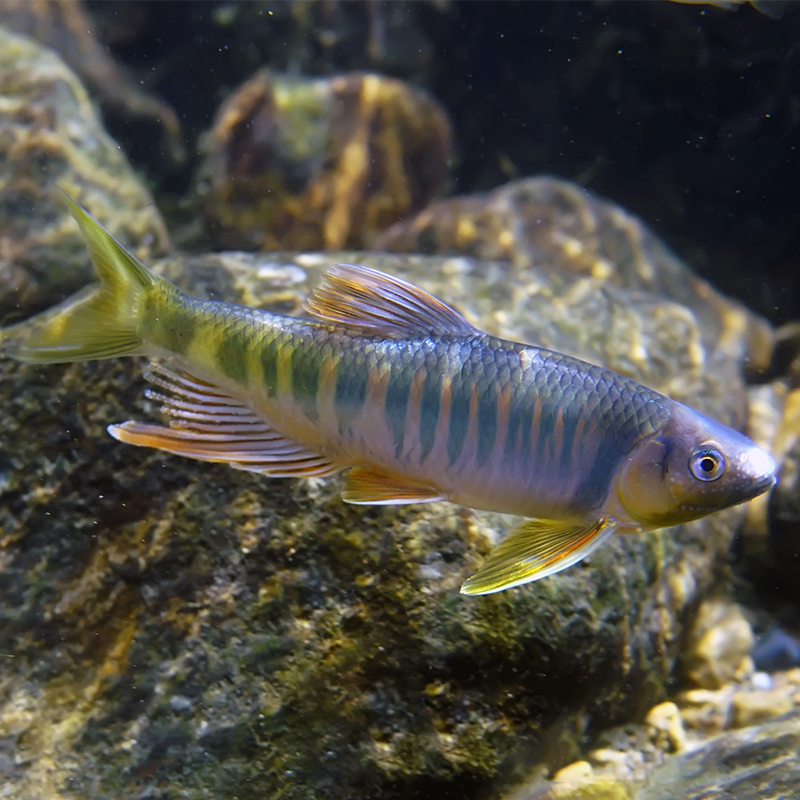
178,622
577,772
622,765
769,551
791,677
581,790
761,680
666,727
776,650
705,710
718,646
320,163
563,228
765,412
50,136
65,26
776,563
756,763
589,789
754,707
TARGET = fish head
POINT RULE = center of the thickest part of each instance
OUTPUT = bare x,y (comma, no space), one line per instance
691,467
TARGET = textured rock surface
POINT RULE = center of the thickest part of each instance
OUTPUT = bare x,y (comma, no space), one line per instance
718,645
320,164
182,625
770,552
780,562
65,26
555,224
50,135
756,763
682,750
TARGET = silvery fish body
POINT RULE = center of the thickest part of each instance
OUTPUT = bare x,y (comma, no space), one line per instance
402,392
491,424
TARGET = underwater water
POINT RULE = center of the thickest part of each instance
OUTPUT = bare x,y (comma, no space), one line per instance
613,181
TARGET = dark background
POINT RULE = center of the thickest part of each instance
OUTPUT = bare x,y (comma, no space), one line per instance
687,115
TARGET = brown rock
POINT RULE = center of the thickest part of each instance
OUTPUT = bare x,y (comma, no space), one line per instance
321,163
50,135
666,727
705,710
753,708
559,226
719,644
755,763
769,549
577,772
65,26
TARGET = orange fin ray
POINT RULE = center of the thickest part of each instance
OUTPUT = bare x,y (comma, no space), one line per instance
365,486
188,386
208,425
382,304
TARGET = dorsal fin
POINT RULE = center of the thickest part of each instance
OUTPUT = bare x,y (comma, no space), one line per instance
382,304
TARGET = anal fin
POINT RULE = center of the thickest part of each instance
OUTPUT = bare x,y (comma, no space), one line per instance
366,486
209,425
534,550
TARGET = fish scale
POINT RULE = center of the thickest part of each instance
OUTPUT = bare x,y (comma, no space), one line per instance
401,393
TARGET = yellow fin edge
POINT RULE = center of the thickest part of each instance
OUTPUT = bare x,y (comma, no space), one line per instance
534,550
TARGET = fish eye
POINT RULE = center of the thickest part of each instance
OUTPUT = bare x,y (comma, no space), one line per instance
706,464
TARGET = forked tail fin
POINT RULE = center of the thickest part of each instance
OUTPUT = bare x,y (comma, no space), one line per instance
97,322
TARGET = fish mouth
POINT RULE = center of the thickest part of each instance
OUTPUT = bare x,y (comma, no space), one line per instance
753,489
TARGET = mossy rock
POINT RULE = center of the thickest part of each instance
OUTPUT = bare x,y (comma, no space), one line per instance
51,136
176,628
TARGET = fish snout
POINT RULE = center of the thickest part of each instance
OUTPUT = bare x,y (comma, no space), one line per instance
758,474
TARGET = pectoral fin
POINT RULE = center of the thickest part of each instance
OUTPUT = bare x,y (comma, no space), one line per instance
366,486
534,550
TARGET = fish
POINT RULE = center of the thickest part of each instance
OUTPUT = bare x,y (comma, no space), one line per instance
398,391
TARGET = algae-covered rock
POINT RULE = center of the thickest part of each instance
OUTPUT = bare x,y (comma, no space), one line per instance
180,627
718,646
771,550
563,228
755,763
320,163
50,135
65,26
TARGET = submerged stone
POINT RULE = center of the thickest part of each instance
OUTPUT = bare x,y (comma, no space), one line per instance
718,647
323,649
65,26
320,163
755,763
50,135
560,227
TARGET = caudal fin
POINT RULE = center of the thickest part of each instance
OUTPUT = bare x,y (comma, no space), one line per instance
97,322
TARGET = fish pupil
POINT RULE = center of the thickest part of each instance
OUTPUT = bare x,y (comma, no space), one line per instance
707,465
